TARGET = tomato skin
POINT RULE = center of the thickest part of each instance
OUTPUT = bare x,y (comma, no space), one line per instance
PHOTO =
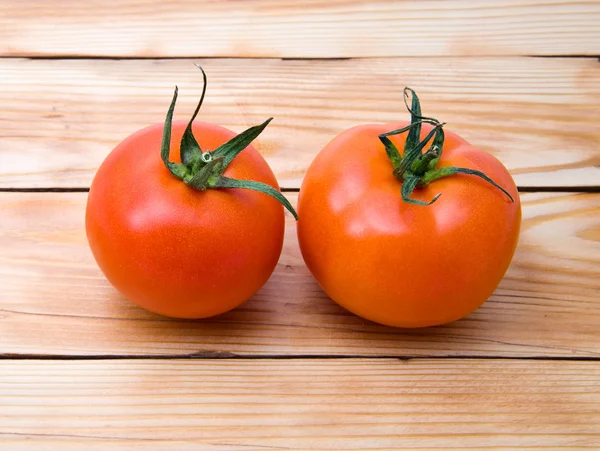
175,250
396,263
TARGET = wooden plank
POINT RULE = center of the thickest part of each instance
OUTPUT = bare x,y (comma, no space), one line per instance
539,116
55,301
361,404
316,28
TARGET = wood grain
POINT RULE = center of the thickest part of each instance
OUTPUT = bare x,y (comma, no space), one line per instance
55,301
316,28
61,118
300,405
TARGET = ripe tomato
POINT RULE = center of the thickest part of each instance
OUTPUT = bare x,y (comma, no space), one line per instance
184,240
381,250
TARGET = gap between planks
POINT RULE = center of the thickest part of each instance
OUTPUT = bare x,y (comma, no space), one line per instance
262,28
84,57
216,355
522,189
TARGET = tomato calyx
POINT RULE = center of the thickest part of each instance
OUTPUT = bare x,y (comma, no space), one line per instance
204,170
415,168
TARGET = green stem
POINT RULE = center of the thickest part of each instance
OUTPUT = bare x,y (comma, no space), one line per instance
412,154
424,162
201,179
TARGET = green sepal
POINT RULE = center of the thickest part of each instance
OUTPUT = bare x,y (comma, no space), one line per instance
178,170
235,145
415,110
439,173
408,186
190,150
437,147
391,150
226,182
414,135
413,153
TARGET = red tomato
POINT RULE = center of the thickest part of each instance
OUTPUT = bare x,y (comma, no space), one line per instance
171,248
395,262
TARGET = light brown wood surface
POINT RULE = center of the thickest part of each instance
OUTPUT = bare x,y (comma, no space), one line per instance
82,368
52,291
272,28
61,118
359,404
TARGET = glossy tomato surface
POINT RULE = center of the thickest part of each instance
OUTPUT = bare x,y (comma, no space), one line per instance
175,250
397,263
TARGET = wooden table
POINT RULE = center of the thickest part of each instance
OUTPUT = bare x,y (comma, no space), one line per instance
82,368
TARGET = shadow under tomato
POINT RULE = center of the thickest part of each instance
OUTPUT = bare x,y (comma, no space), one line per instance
297,320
